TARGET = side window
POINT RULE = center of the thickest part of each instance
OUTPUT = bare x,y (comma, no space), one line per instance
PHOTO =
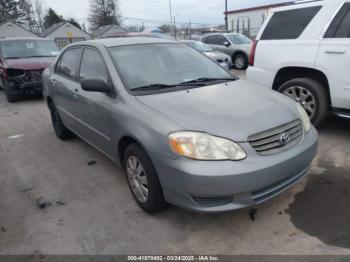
205,40
211,40
68,63
220,40
340,27
92,66
289,24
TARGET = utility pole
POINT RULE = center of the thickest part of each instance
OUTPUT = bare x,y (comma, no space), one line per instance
171,17
175,27
226,21
190,30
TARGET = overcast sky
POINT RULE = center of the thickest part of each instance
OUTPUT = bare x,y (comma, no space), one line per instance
198,11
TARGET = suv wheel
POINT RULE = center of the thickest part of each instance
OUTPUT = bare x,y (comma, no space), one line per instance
61,131
311,95
240,61
143,179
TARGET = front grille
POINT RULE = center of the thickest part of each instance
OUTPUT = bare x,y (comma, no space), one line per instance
36,75
277,139
213,201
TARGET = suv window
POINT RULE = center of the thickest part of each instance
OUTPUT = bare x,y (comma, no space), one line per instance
289,24
68,63
215,40
340,27
93,66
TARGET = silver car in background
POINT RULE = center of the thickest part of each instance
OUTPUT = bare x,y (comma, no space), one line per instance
185,130
221,58
237,46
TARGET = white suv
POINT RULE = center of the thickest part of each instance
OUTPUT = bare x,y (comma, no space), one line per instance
303,51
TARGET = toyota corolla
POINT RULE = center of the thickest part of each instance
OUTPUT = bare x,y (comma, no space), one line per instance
185,130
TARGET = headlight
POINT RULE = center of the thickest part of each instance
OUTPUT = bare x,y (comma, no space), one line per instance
202,146
304,117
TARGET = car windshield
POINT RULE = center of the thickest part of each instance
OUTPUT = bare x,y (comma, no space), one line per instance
28,48
155,65
201,47
239,39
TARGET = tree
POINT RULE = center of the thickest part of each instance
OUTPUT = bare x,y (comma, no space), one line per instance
104,12
9,11
52,18
26,15
166,29
74,22
39,14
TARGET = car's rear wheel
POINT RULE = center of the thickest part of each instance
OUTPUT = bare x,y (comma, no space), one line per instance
61,131
311,95
240,61
143,179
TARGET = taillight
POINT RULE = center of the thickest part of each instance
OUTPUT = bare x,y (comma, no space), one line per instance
252,53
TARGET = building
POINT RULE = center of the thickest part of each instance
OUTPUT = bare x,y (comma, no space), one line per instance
9,29
65,33
249,20
108,30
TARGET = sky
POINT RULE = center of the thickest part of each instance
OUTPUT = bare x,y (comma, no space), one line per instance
199,12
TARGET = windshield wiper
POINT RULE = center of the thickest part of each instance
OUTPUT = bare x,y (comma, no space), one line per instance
152,87
208,79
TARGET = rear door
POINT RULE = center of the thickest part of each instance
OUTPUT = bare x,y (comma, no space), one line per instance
65,82
334,58
93,108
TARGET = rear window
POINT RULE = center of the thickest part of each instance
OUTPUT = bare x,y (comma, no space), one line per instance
289,24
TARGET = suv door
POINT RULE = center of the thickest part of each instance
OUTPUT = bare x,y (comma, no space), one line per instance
334,58
64,80
93,109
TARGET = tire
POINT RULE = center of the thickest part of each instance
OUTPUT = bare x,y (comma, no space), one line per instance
61,131
154,201
309,89
11,98
240,61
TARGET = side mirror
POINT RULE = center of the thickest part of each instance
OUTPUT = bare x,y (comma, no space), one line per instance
227,44
95,85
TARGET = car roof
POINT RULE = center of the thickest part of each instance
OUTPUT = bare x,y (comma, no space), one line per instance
24,38
111,42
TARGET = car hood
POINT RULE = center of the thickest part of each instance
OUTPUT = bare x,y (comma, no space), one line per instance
32,63
234,110
216,55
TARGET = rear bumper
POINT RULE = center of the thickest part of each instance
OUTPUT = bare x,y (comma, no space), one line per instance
217,186
260,76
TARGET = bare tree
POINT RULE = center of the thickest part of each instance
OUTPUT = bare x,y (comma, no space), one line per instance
27,18
39,14
104,12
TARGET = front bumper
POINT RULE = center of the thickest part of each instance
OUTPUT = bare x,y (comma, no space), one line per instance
26,88
217,186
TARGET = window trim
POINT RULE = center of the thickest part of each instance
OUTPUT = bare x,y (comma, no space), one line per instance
333,25
58,64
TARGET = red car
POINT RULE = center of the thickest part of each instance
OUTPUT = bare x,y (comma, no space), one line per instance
22,61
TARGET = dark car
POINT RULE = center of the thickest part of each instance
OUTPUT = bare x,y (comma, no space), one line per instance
22,61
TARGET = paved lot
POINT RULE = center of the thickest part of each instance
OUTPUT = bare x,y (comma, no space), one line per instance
100,216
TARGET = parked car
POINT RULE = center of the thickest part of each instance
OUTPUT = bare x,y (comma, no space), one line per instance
303,51
182,127
237,46
22,61
221,58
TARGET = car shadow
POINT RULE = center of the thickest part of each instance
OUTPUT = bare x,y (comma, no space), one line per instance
322,209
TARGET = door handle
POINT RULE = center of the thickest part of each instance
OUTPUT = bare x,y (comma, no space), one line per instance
54,81
335,52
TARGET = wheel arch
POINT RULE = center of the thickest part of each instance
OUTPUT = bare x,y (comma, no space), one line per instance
288,73
123,143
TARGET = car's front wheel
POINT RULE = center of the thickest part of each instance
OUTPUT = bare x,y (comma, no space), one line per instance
240,61
61,131
143,179
311,95
10,96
